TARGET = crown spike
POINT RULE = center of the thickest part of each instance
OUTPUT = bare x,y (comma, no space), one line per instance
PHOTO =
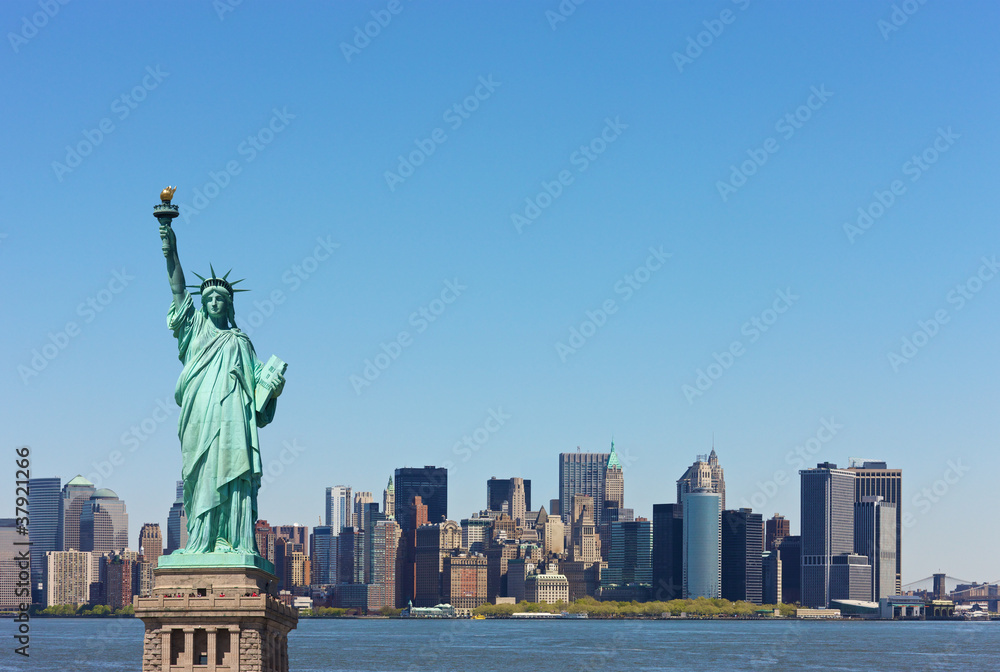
226,276
211,268
199,277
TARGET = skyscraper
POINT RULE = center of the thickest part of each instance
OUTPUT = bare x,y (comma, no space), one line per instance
45,528
323,555
582,474
68,576
177,534
11,595
339,508
875,538
151,542
435,542
361,499
777,528
705,474
75,495
827,515
384,545
630,561
742,546
498,491
389,500
702,544
104,523
431,485
874,478
668,552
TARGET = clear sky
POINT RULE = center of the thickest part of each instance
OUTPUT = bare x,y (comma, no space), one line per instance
656,176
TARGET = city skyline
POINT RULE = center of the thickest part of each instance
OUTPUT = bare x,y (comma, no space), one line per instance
775,229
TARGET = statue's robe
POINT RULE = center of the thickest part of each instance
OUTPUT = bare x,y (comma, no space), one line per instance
218,431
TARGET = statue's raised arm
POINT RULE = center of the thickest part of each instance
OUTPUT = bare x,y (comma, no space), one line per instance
169,238
174,270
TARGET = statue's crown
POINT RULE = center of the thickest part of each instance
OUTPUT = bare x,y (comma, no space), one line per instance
215,281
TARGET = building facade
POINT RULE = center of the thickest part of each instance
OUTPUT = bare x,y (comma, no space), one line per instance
702,544
582,474
45,531
875,538
151,542
668,552
706,474
177,533
742,547
827,519
339,508
68,576
874,479
630,561
75,495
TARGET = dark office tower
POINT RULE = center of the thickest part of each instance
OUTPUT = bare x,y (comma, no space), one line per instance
435,542
940,591
177,533
873,478
742,547
45,527
407,548
631,558
500,490
348,550
323,555
371,516
705,475
582,474
610,517
555,507
151,542
827,515
428,483
875,538
668,552
789,552
75,495
775,529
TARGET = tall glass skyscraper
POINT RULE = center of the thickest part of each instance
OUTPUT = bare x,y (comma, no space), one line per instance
874,479
45,527
339,508
827,519
177,533
431,485
630,560
75,495
104,524
742,547
702,544
668,552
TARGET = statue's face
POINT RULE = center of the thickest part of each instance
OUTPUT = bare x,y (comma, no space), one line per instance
217,302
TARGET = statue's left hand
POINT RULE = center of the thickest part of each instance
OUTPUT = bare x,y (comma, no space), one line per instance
279,387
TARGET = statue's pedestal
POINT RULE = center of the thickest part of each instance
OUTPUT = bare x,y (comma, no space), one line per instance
223,618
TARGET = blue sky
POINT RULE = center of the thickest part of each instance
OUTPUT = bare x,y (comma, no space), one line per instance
280,138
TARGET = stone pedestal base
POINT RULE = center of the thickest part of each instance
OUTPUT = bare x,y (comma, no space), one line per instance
217,619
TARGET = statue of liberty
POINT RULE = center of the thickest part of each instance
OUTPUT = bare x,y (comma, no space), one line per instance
225,395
